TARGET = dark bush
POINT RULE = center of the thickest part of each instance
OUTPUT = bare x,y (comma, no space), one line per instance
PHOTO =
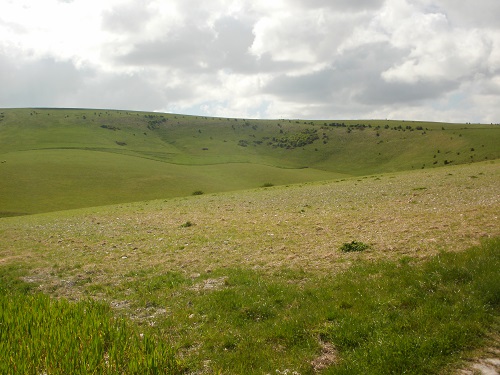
353,246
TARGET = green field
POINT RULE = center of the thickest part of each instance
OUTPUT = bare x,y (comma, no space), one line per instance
353,253
64,159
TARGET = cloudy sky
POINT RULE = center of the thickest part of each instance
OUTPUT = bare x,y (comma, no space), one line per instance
433,60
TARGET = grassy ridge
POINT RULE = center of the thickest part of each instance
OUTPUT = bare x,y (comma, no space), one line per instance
60,159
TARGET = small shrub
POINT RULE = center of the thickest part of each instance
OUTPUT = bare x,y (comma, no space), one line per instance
198,192
267,184
353,246
110,127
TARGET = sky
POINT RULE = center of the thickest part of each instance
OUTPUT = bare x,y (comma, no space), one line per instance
433,60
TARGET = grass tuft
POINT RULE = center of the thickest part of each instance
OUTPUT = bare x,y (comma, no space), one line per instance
187,224
353,246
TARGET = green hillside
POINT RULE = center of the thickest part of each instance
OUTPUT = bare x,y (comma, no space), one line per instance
261,281
55,159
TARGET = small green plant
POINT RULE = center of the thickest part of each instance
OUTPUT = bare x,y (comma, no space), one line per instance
187,224
197,192
353,246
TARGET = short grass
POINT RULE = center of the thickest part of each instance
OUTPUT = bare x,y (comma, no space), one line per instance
62,159
388,317
258,283
51,180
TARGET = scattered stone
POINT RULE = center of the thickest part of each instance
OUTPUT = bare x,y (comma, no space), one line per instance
488,364
327,358
210,284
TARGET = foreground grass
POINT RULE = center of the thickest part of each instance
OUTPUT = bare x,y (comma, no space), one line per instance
387,317
40,335
257,282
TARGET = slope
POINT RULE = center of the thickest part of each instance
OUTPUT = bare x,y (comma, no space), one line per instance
55,159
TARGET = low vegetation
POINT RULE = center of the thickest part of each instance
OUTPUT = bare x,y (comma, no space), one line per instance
64,159
291,141
40,335
382,257
389,317
255,283
353,246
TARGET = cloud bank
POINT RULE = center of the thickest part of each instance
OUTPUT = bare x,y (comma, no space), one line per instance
433,60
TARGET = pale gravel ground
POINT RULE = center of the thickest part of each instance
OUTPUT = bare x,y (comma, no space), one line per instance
487,362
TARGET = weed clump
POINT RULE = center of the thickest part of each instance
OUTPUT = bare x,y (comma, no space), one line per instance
349,247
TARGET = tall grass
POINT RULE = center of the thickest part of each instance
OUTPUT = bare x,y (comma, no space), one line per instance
39,335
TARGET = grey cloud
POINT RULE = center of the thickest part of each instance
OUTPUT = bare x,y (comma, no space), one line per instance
364,65
128,18
340,73
309,88
353,75
355,80
231,49
199,49
481,14
50,83
381,92
186,49
341,5
120,92
44,82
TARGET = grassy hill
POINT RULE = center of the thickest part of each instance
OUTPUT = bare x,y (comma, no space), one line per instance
257,281
377,254
54,159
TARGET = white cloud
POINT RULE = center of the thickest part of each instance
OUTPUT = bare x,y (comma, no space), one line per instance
283,58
